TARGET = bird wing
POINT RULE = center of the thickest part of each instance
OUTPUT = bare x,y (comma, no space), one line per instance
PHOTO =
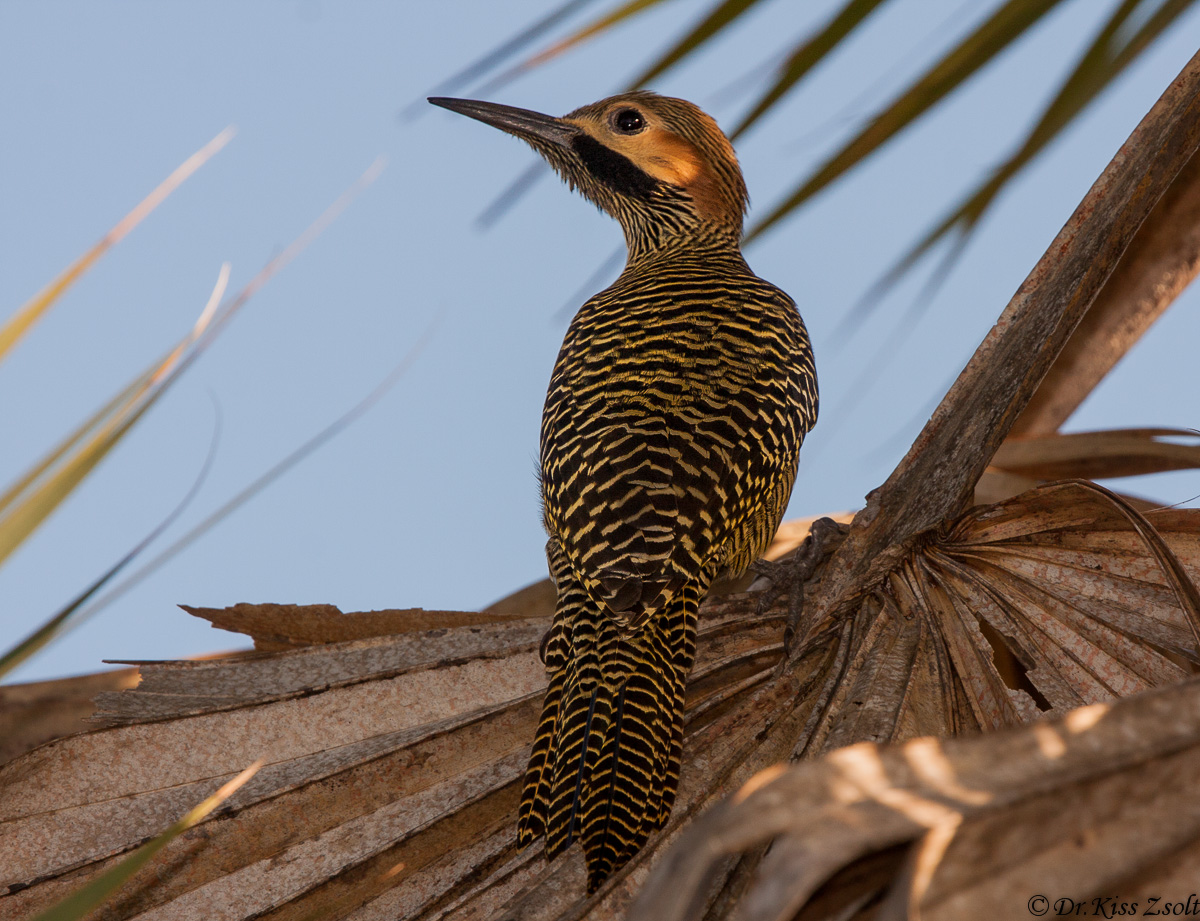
612,503
677,460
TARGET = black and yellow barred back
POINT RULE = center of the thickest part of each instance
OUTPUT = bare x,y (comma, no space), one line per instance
669,445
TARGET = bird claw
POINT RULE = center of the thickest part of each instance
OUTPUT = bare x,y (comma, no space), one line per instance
793,573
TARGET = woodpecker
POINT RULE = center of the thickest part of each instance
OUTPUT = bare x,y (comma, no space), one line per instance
669,443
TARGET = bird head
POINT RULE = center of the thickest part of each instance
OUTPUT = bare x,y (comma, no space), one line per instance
660,166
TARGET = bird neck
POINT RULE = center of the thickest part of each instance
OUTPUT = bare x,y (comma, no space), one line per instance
653,238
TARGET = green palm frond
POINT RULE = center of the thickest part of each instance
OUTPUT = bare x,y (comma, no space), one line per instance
724,14
1127,31
1001,29
807,56
498,55
1102,63
37,493
1113,49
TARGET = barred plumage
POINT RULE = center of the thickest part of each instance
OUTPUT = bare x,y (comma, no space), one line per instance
670,437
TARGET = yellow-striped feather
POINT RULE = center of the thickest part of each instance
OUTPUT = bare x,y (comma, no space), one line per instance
670,438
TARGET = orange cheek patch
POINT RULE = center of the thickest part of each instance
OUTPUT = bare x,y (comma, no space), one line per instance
710,203
670,158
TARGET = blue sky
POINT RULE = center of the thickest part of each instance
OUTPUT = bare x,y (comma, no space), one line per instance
430,500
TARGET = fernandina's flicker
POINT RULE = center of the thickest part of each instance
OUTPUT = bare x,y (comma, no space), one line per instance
669,444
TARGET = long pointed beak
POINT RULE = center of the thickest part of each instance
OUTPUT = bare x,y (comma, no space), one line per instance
521,122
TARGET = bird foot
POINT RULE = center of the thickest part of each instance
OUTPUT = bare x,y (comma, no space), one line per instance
792,573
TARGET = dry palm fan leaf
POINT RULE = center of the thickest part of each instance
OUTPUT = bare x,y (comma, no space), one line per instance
1024,461
1094,809
1088,595
392,764
1099,455
37,712
393,761
1093,599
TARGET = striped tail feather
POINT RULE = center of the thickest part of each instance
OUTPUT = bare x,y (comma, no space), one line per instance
535,796
682,643
605,762
531,816
586,702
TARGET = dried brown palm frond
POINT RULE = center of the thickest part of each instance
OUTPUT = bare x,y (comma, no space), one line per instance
1062,578
1098,804
1024,461
392,763
394,746
37,712
393,743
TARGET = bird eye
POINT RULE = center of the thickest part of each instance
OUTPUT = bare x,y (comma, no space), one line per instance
629,121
